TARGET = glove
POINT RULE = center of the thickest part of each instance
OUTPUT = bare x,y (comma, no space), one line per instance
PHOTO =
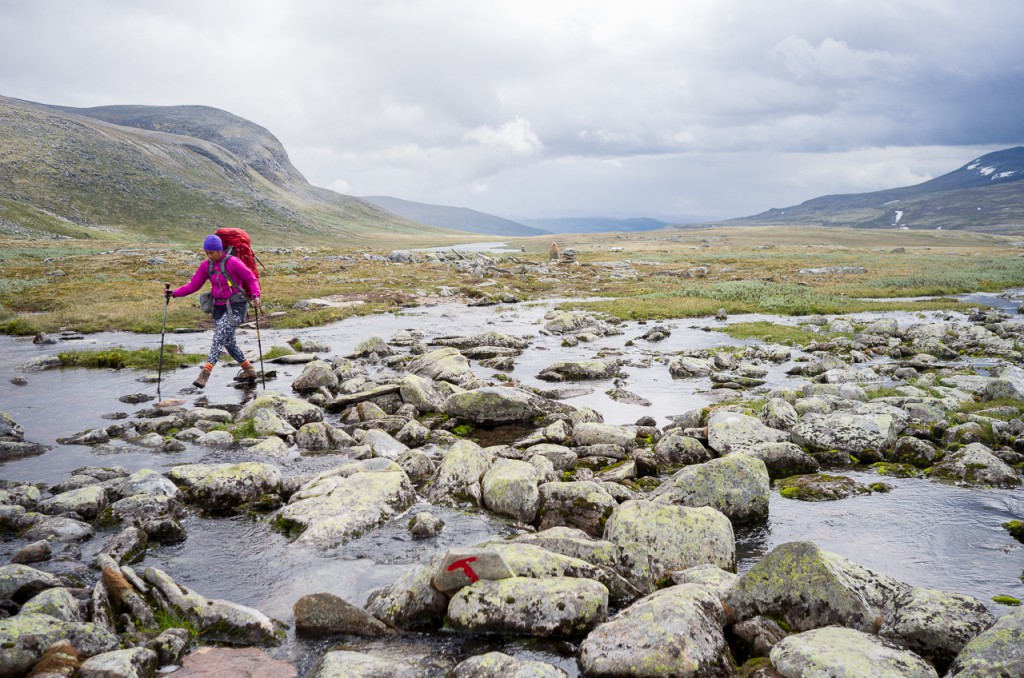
256,302
168,294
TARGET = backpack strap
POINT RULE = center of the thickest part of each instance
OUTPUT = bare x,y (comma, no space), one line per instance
227,276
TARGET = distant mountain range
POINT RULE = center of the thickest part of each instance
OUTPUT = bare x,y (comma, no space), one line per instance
172,173
986,194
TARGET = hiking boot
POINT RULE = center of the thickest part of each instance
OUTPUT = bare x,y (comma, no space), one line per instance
248,372
204,376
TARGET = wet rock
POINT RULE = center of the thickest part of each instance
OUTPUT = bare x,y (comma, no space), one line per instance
867,437
729,431
217,620
839,651
93,436
976,465
332,510
139,508
462,567
87,502
224,439
424,525
382,444
126,546
580,370
444,364
783,459
136,662
36,552
673,632
59,530
935,624
164,530
563,322
682,367
510,489
25,637
917,452
557,606
458,478
295,411
737,485
994,652
316,375
494,405
225,662
676,450
819,487
321,614
585,505
808,588
501,665
170,647
655,539
411,602
349,664
422,394
221,488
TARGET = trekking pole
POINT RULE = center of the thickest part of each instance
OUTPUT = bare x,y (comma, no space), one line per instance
163,331
259,345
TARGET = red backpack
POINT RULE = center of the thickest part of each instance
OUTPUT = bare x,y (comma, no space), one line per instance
236,241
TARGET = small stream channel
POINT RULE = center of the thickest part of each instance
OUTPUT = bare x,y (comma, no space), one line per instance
922,532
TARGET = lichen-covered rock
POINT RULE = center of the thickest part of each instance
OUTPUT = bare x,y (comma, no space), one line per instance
458,478
501,665
24,638
994,652
382,444
444,364
556,606
528,560
87,502
222,487
728,431
936,624
316,375
819,487
675,450
422,394
271,447
592,433
976,465
783,459
295,411
835,651
493,405
654,539
920,453
808,588
510,489
580,370
21,582
574,543
336,509
561,457
55,602
411,602
349,664
713,578
147,481
869,437
60,530
673,632
778,414
135,662
736,485
582,504
217,620
682,367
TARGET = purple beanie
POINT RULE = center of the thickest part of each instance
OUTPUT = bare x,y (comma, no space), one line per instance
213,244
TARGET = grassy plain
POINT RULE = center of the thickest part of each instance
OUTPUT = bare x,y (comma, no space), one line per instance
90,285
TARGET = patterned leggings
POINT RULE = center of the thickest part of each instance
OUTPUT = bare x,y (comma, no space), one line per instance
224,332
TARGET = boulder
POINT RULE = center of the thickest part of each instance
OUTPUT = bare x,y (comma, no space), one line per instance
976,465
581,504
21,582
349,664
149,482
510,489
462,567
935,624
444,364
422,394
819,487
836,651
320,614
458,478
87,502
24,638
807,588
555,606
673,632
494,405
219,488
247,662
593,433
783,459
501,665
333,510
682,367
136,662
778,414
737,485
574,543
316,375
59,529
994,652
295,411
728,431
869,437
580,370
411,602
676,450
655,539
382,444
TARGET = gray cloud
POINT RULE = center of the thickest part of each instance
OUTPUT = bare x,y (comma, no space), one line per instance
716,107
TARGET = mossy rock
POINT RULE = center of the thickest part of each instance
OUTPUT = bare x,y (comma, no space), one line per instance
897,470
1006,600
819,487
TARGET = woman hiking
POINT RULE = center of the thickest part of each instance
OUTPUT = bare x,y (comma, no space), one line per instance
234,286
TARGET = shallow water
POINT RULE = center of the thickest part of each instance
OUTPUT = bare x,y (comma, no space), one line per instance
921,532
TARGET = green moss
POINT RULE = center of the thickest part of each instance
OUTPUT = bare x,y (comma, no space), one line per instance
171,620
120,358
1016,529
462,430
1006,600
896,470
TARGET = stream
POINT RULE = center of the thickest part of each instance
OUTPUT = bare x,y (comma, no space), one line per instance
922,532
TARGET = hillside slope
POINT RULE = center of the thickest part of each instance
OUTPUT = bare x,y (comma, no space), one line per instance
185,171
459,218
986,195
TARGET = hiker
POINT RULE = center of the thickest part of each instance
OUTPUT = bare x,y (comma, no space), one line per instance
234,285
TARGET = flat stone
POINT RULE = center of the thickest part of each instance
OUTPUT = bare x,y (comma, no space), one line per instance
462,567
222,662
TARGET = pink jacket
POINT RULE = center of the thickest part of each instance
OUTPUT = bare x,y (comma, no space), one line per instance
239,272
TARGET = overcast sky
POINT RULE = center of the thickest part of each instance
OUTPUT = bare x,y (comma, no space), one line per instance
530,107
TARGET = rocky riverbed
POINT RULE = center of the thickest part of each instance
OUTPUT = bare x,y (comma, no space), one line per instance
524,491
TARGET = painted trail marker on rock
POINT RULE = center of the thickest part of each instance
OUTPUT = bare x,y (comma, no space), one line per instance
462,567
